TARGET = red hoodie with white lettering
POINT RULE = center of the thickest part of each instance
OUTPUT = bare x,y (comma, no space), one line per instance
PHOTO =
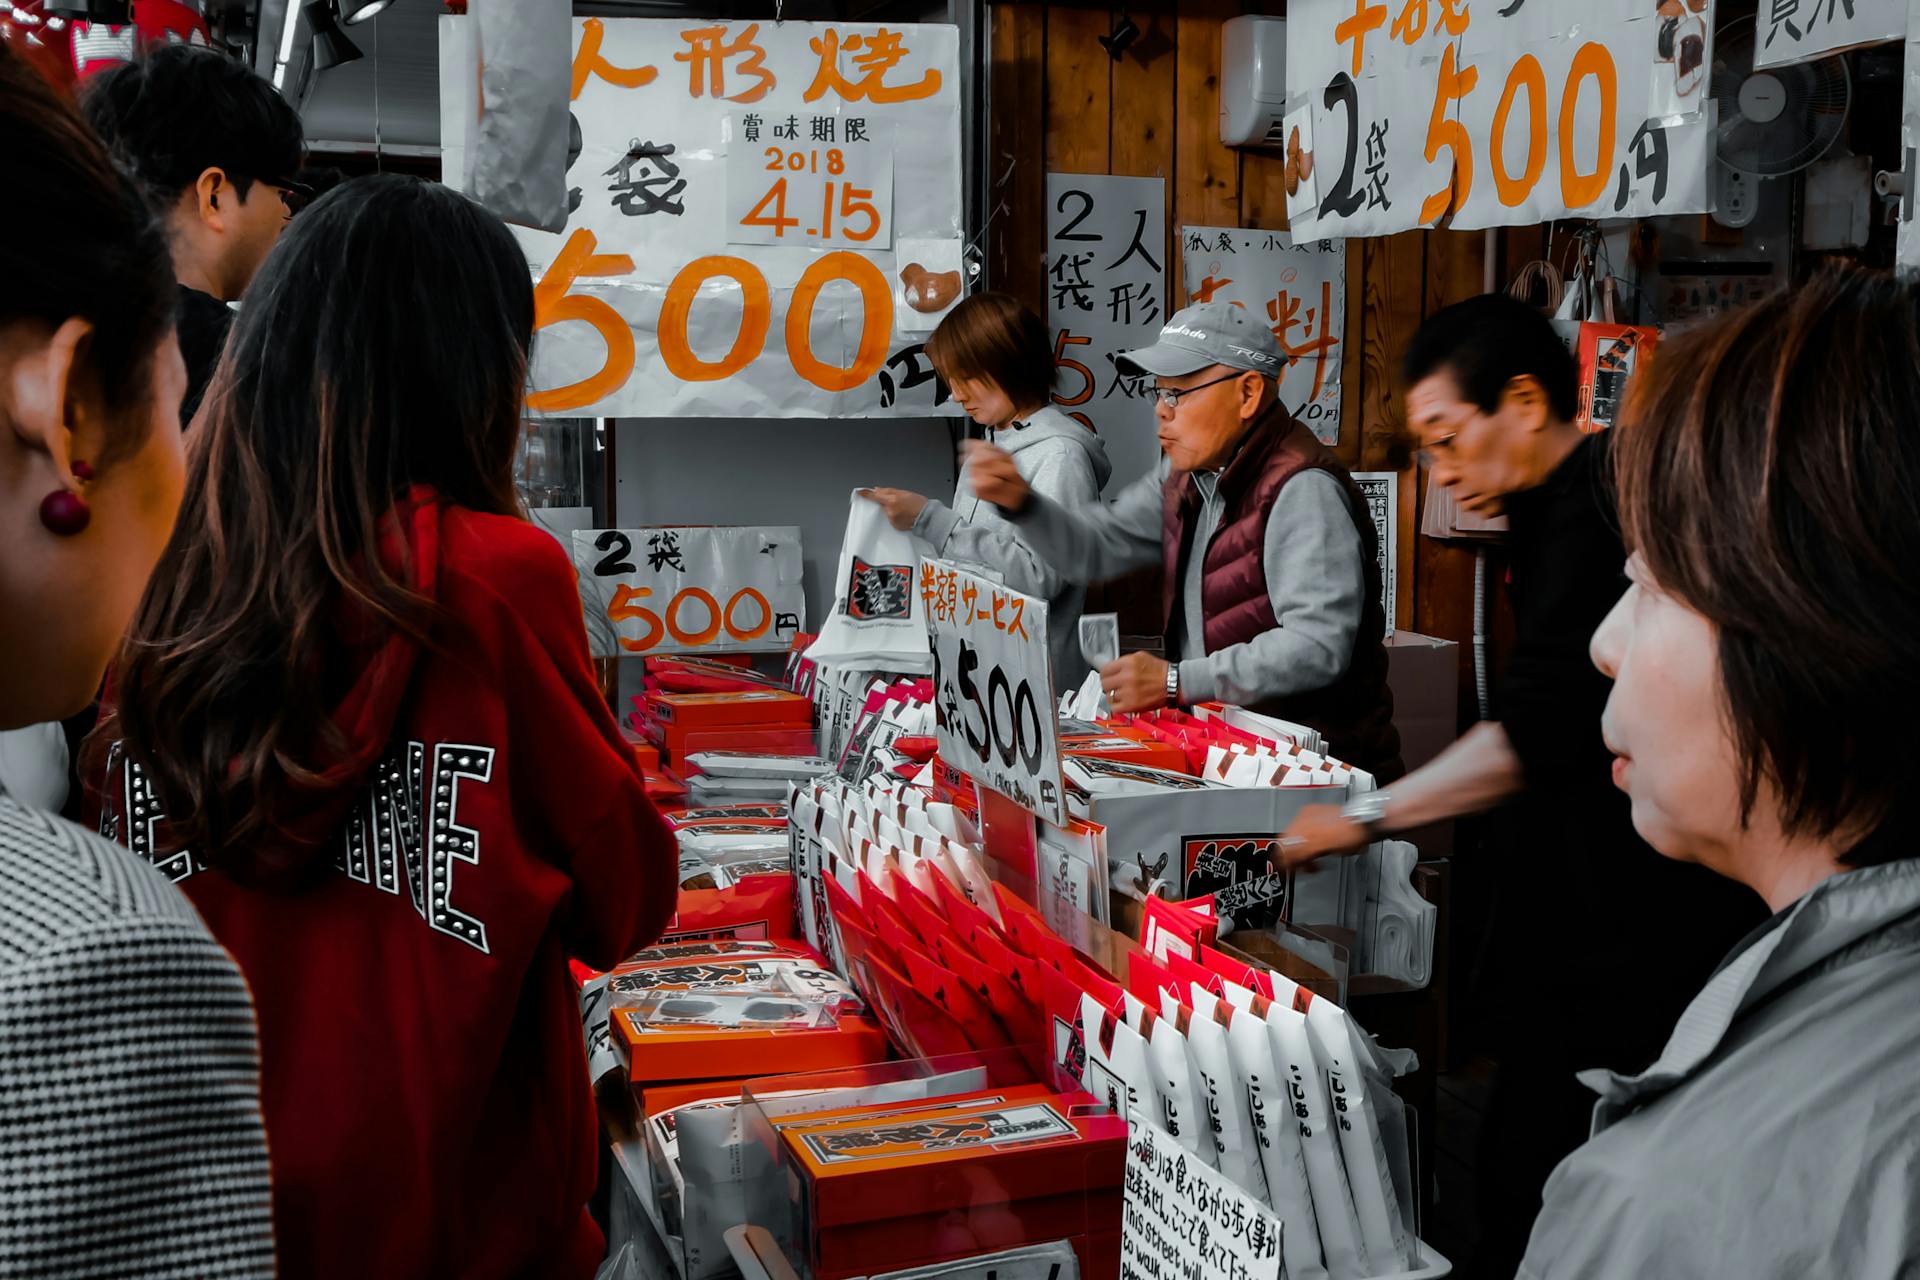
424,1076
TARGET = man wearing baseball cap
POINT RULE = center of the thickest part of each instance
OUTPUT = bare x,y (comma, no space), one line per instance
1271,595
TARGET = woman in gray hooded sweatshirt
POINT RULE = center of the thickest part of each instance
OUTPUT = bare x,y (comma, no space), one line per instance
994,354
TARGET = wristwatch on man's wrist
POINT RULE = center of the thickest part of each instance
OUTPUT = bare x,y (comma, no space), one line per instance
1368,811
1173,684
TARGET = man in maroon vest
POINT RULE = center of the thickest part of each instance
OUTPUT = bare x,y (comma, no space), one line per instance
1271,595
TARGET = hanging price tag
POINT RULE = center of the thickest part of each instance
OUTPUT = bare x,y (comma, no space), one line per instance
993,688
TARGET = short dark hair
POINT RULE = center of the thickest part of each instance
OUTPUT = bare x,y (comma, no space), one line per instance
1769,467
176,112
85,245
1486,342
996,337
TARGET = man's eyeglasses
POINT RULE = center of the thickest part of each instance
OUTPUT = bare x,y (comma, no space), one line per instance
294,195
1170,396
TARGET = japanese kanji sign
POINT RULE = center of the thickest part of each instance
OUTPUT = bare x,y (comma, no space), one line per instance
1299,289
992,687
689,589
1498,112
733,244
1382,492
1106,293
1184,1219
1790,31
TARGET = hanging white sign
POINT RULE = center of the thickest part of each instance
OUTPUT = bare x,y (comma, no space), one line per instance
1789,31
992,687
1382,492
737,207
1106,293
698,589
1499,114
1299,289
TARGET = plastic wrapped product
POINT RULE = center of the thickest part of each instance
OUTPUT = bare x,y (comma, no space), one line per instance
1182,1108
1282,1154
1341,1239
1369,1172
1226,1103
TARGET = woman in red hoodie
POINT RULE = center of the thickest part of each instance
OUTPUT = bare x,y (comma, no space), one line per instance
357,722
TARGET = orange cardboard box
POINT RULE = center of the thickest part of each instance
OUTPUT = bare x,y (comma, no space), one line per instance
717,1053
875,1187
764,709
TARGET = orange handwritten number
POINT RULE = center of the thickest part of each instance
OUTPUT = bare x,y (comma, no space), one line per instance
1526,74
1577,189
1445,131
756,315
622,608
555,303
876,325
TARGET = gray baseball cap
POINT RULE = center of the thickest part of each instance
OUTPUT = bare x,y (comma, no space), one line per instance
1207,333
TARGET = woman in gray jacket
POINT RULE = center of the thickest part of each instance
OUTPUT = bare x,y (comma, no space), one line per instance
1767,472
993,352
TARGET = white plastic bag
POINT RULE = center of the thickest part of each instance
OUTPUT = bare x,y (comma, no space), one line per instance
877,619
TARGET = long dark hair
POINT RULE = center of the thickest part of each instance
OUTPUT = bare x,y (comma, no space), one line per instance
382,346
77,240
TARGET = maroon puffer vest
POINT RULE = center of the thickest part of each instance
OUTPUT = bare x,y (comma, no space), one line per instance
1354,713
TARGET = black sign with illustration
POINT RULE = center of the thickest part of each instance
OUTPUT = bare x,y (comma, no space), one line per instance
1242,872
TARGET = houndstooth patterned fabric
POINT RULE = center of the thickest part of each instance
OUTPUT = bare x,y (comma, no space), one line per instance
130,1134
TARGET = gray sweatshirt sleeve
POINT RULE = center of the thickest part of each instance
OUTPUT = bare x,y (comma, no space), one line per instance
1095,541
1064,476
1316,580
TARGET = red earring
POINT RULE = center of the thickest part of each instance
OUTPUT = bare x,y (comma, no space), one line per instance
65,513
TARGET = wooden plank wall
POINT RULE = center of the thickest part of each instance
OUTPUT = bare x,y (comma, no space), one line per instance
1059,103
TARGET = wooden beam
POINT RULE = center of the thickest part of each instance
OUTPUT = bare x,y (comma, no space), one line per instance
1144,115
1079,91
1208,169
1017,244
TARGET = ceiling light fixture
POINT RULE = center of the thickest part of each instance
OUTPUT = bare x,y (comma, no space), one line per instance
330,44
355,12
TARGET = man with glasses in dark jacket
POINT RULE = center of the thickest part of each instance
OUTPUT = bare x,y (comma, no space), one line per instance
215,148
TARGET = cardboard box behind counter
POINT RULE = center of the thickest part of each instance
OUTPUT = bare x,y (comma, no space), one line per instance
903,1188
657,1057
1424,675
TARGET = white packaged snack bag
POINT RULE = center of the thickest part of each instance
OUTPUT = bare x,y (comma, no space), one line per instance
1341,1239
1182,1110
1358,1127
1250,1046
1226,1103
1116,1072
